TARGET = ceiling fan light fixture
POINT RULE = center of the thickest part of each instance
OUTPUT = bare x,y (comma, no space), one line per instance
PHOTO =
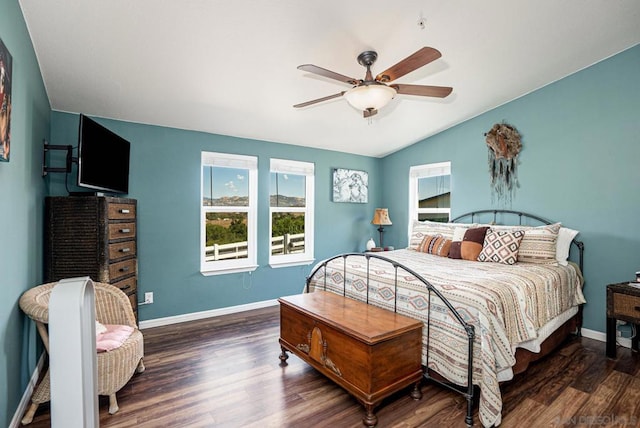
374,96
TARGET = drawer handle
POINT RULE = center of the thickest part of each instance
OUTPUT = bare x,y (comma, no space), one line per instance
125,230
125,250
124,269
126,287
124,211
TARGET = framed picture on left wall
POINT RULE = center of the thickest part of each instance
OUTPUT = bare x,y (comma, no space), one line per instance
5,102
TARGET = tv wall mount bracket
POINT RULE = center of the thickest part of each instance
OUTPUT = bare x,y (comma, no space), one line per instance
68,162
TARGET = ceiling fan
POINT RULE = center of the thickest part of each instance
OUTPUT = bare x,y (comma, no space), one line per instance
371,94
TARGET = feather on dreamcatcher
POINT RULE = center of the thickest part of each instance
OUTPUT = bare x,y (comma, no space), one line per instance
504,145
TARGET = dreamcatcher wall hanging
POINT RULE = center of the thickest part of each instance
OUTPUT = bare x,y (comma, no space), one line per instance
504,145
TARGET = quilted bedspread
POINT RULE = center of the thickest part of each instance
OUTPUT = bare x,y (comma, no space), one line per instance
506,304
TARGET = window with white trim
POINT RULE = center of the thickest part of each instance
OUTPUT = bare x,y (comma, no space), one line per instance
228,213
430,192
291,196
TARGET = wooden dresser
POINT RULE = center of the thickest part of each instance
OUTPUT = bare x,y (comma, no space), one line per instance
370,352
92,236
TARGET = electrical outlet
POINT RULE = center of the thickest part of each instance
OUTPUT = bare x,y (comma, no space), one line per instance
618,333
148,297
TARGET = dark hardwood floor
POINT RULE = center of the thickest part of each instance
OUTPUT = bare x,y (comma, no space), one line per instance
225,372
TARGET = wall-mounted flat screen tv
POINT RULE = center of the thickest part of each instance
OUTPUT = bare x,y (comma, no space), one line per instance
103,158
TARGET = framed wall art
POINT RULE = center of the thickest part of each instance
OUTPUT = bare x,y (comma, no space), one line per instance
350,185
5,102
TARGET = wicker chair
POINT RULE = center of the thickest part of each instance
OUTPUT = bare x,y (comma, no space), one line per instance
115,367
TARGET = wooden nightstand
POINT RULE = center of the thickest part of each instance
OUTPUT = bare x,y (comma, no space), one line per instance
623,303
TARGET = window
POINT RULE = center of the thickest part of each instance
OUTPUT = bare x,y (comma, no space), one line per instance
291,212
228,213
430,192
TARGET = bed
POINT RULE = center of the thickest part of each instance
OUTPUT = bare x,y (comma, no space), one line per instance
492,297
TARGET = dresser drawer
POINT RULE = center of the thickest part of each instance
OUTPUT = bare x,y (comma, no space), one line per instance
121,211
128,285
120,269
626,305
120,250
121,231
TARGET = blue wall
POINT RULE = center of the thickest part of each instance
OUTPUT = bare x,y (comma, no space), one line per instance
21,199
580,164
165,179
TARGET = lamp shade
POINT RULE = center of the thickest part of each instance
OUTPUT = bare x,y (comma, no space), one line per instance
374,96
381,217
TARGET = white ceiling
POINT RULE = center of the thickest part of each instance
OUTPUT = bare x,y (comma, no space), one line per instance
229,66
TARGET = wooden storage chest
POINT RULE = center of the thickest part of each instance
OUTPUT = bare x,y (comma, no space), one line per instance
370,352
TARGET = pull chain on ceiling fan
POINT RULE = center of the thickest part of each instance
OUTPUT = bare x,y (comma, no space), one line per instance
371,94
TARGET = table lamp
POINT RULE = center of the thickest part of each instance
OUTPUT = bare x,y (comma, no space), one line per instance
381,219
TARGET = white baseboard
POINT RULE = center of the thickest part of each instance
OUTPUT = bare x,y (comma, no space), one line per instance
602,337
158,322
593,334
26,397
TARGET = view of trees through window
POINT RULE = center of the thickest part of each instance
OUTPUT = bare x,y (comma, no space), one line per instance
225,187
226,228
287,201
228,212
287,223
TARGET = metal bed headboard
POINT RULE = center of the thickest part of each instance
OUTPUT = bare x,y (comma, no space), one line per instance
522,215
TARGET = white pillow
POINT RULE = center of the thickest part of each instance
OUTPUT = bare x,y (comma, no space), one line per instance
563,245
458,233
100,328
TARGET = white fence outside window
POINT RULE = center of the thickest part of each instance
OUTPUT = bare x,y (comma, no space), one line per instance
285,244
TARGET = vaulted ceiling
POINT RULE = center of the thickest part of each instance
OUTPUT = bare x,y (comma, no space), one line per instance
229,67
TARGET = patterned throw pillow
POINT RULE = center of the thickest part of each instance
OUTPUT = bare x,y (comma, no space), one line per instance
437,245
473,242
539,245
420,229
501,246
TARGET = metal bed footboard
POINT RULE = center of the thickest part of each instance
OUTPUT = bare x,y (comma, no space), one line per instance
467,390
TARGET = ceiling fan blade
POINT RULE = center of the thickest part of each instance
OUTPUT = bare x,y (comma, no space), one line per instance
414,61
328,73
319,100
423,90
